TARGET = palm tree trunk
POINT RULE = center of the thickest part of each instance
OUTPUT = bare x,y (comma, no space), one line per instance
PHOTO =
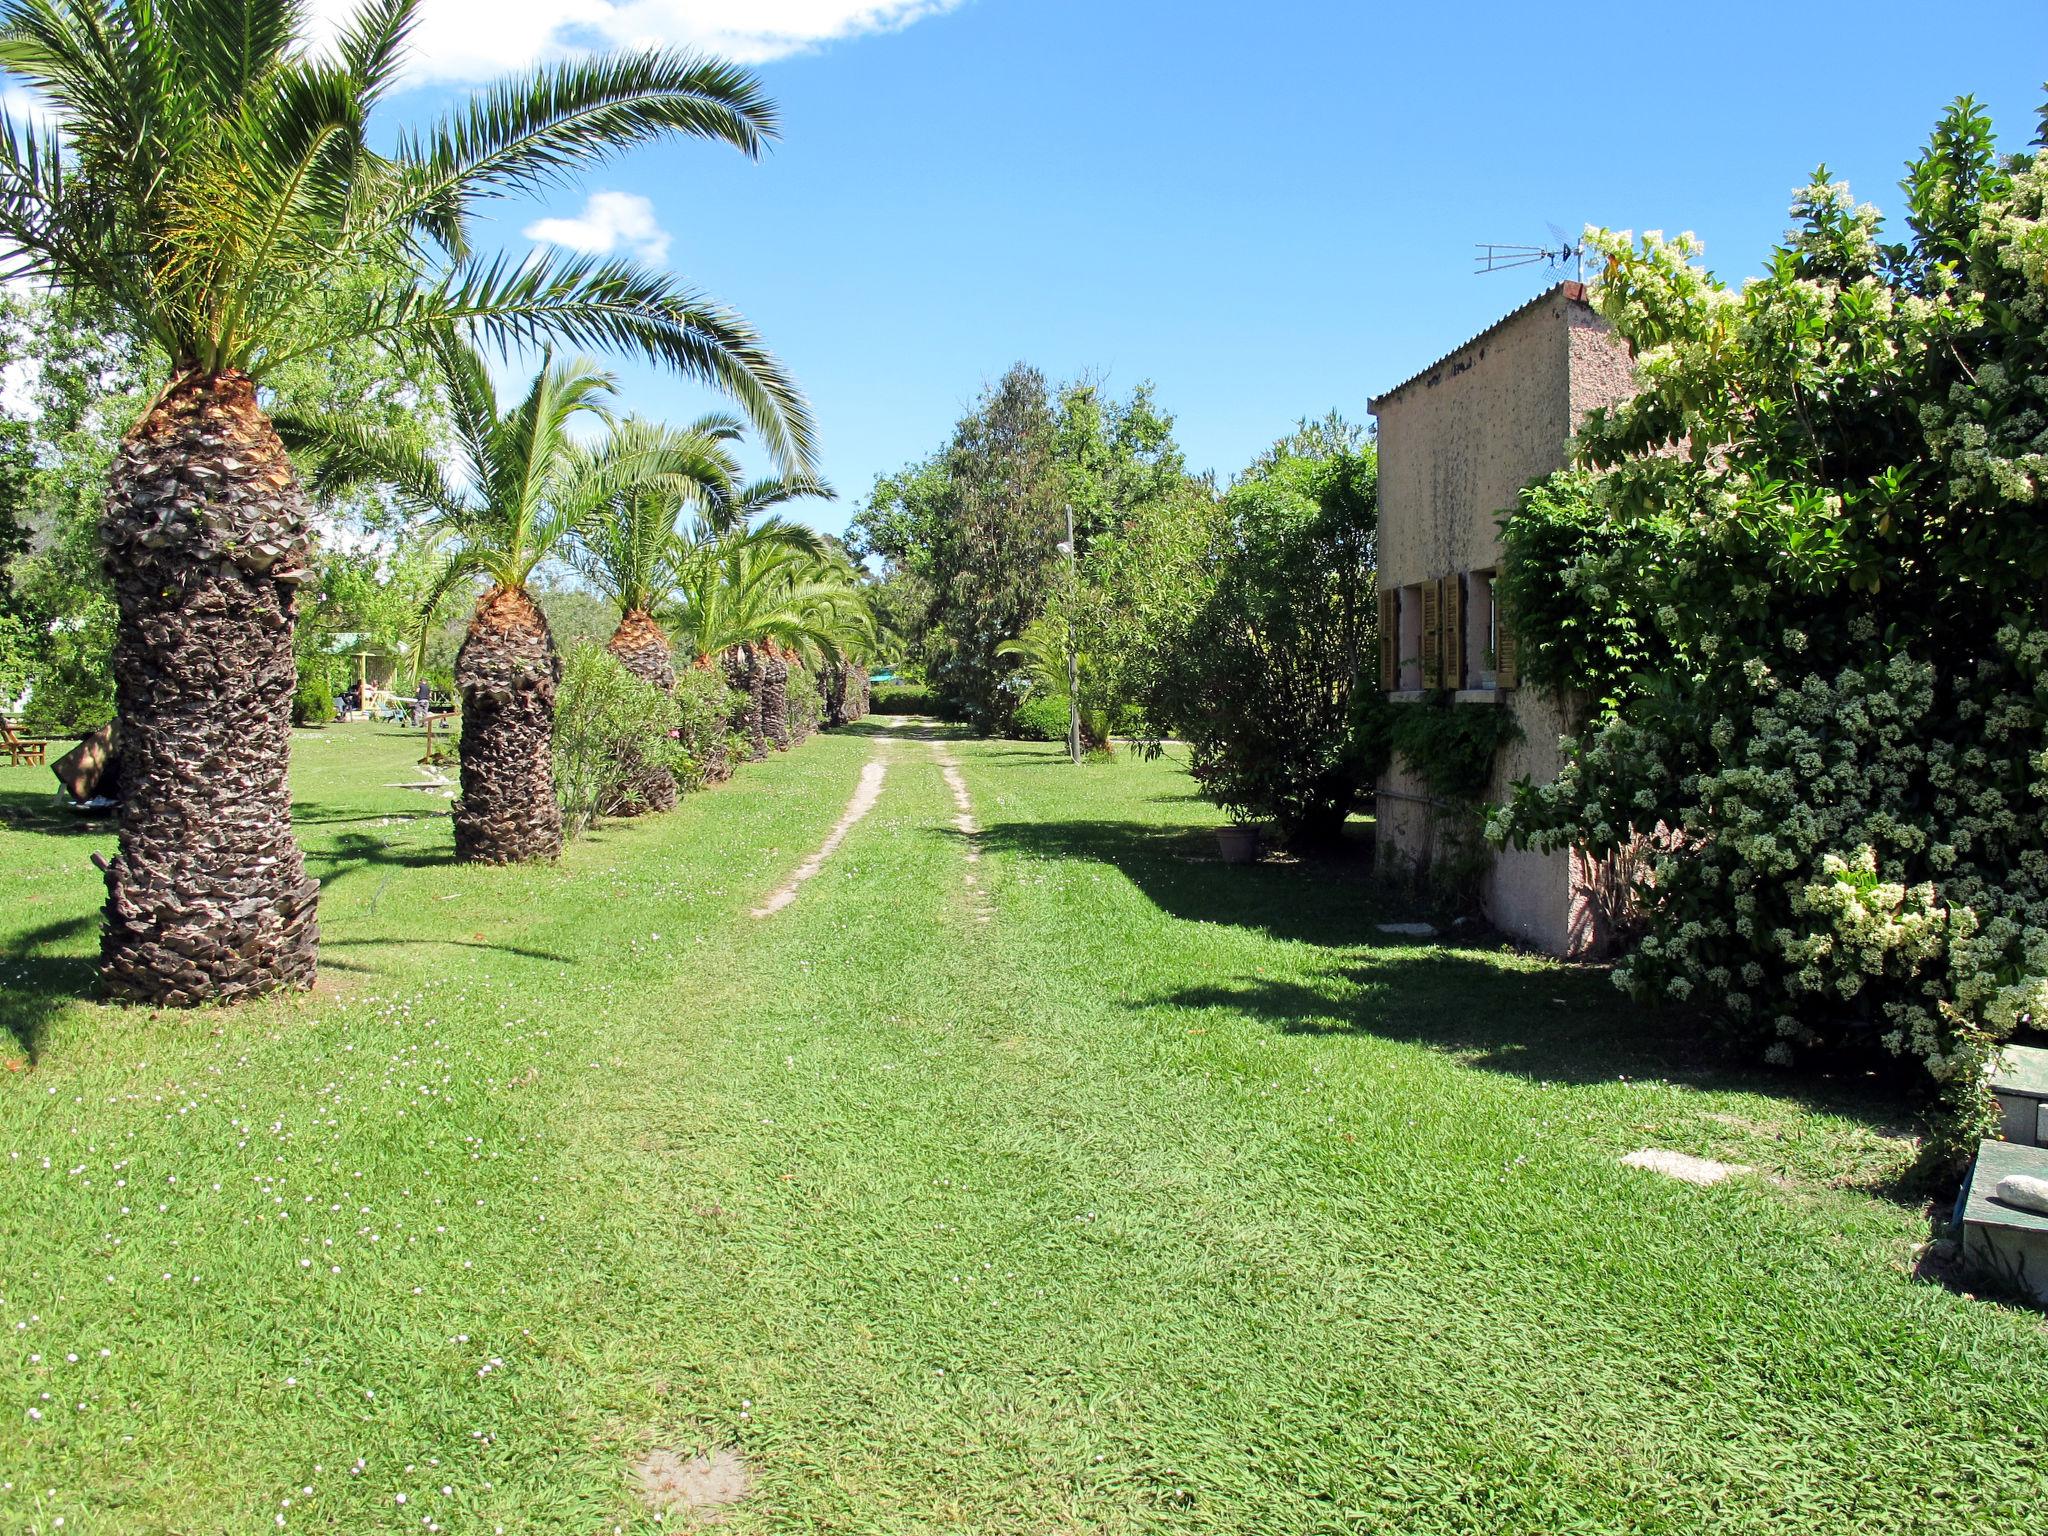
775,698
745,673
643,650
507,671
206,539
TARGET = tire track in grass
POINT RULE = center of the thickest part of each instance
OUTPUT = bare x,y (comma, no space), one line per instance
969,828
865,794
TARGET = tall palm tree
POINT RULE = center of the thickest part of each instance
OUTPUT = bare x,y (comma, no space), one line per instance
209,179
523,489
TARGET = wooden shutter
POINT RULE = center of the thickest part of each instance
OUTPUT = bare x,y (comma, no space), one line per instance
1390,641
1432,634
1453,610
1504,669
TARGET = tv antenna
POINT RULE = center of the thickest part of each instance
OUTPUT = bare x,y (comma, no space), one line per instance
1563,254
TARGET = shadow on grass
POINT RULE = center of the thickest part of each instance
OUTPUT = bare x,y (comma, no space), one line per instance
328,945
38,980
1544,1021
921,726
33,810
1328,900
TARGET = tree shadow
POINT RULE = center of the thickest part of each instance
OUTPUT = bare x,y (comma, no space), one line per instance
1326,900
27,810
521,951
41,980
1541,1020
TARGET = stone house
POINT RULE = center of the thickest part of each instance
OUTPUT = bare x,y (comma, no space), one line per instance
1456,442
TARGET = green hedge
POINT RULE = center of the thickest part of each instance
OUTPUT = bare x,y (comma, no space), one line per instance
900,699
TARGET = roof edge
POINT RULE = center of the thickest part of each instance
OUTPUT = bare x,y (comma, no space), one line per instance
1571,292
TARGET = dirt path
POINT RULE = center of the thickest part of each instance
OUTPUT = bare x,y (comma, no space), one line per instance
969,828
865,794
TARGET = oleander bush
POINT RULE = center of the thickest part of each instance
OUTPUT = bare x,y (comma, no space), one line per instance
610,729
806,704
1796,589
705,743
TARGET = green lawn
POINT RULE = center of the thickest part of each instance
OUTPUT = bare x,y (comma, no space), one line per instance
1163,1199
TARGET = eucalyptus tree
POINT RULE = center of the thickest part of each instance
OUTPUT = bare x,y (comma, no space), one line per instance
208,178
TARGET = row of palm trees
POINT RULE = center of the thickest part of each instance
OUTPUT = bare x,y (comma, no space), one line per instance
207,179
657,518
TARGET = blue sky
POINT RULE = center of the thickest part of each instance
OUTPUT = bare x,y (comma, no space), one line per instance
1267,210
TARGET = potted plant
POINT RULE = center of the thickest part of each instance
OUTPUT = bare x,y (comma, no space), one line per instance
1239,843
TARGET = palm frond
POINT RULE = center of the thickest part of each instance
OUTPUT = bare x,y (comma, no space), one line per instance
600,304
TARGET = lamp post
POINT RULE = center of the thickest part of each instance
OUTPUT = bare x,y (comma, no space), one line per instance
1073,665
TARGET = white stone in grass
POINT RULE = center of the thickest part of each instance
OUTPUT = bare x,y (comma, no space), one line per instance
2024,1191
1409,930
1684,1166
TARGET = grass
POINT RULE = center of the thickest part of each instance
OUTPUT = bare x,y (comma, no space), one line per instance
1168,1199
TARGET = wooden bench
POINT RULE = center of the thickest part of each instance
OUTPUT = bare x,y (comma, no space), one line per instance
22,749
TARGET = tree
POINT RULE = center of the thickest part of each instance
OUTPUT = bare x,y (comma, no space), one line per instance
524,490
1795,585
631,549
754,598
210,180
970,538
1263,675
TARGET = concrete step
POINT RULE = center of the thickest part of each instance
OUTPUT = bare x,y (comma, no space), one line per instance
2019,1080
2002,1242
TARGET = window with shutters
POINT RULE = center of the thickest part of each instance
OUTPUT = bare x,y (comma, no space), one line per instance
1410,646
1481,641
1452,647
1390,640
1432,633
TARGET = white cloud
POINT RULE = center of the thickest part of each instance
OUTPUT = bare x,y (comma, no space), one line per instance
467,40
610,221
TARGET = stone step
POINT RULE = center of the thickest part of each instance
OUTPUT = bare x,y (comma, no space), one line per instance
2019,1080
2001,1242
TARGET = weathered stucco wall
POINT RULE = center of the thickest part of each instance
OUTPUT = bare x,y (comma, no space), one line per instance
1456,443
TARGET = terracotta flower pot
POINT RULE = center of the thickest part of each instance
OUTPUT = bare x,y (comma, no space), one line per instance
1238,845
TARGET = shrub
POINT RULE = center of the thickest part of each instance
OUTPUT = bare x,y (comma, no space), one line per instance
313,704
1041,717
1260,677
703,712
901,699
610,727
806,703
1813,630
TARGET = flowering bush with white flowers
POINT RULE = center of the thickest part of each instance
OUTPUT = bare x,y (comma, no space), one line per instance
1795,587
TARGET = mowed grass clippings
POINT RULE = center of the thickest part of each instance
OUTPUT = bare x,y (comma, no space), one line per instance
1169,1198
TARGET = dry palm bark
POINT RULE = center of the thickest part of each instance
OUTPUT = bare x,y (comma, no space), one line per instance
507,671
643,649
775,697
206,540
746,675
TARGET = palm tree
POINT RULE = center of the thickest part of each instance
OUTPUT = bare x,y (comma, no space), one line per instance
524,488
631,551
209,179
753,599
1042,649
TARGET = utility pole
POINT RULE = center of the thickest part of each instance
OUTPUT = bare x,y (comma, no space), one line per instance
1073,665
